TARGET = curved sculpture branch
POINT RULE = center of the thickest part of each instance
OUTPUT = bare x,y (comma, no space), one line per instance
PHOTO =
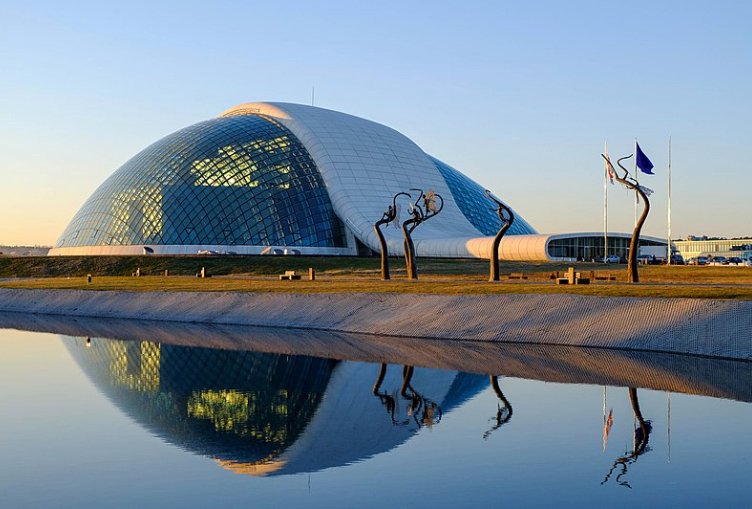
418,216
507,218
634,244
389,216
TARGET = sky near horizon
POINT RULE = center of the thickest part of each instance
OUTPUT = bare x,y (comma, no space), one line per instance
520,97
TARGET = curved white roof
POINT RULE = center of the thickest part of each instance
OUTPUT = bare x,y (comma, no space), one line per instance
364,164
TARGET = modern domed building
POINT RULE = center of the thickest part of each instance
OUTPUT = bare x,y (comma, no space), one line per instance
279,177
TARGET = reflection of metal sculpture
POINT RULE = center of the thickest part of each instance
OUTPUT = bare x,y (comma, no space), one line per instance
386,399
632,183
418,215
390,215
507,218
640,446
423,411
503,413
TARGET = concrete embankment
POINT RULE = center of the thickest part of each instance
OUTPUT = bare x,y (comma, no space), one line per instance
689,374
718,328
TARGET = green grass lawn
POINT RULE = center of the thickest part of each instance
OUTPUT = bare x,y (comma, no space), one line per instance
427,285
339,274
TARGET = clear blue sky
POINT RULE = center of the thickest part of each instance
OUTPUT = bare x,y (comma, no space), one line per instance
519,97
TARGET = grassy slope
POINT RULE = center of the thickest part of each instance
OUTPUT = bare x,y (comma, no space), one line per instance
344,285
337,274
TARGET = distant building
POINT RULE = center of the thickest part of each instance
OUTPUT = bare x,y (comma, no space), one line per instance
704,246
24,250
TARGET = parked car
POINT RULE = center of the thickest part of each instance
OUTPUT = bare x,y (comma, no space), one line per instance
613,259
698,260
718,260
645,259
677,259
735,260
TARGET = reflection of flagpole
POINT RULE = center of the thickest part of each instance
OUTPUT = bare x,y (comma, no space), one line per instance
608,420
668,411
668,258
604,418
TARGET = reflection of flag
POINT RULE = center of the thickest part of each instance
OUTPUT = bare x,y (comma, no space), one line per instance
609,168
607,427
643,163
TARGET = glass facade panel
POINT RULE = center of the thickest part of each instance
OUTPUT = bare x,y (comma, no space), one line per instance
475,205
239,180
591,248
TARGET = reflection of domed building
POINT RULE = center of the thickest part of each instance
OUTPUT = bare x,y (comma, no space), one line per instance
261,413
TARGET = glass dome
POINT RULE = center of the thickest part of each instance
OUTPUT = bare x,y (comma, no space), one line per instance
242,180
475,205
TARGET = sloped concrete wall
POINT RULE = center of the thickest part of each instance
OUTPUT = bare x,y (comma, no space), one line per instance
719,328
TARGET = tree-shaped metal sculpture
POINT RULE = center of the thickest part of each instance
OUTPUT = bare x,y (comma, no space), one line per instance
631,183
418,215
507,218
391,214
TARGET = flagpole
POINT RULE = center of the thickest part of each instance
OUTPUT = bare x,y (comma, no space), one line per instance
668,258
605,207
636,196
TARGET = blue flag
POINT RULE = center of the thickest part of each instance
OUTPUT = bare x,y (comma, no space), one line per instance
643,163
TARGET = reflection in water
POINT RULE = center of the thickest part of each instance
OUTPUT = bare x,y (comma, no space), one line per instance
237,407
422,410
271,414
264,413
640,444
429,411
277,414
503,408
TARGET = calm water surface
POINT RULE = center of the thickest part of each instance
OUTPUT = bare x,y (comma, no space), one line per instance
137,423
